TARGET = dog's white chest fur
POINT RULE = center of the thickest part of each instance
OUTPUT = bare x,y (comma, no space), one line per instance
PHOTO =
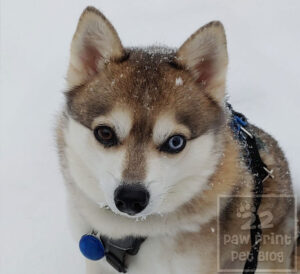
159,255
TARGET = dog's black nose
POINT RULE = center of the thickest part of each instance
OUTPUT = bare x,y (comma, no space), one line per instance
131,198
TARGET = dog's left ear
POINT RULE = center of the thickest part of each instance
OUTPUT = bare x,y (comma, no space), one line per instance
205,55
94,43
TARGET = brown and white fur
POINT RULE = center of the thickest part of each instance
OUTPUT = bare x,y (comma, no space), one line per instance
146,95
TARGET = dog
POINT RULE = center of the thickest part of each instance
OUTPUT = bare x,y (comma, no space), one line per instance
147,151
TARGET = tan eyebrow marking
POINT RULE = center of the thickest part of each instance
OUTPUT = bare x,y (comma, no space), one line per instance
120,119
166,126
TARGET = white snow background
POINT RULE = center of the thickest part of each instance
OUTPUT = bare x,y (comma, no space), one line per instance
263,83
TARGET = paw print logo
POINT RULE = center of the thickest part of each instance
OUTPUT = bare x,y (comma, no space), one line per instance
246,211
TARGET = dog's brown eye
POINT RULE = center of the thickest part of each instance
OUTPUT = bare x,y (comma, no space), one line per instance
105,135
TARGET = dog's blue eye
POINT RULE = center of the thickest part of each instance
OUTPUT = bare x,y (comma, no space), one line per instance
174,144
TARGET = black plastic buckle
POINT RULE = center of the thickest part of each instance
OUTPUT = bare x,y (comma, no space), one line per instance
116,251
116,263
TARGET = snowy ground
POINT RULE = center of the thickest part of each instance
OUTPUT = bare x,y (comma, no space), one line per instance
263,82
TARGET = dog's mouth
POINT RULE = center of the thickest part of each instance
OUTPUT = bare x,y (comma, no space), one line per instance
138,217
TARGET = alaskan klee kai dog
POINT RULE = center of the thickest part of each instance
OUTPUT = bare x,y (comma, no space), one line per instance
148,153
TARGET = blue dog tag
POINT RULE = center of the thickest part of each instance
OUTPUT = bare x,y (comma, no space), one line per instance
91,247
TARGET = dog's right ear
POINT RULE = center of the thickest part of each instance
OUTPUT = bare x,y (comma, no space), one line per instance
94,43
204,54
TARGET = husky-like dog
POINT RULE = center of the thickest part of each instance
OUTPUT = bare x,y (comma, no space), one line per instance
146,150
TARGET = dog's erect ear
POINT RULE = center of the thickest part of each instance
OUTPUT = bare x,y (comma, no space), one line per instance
95,42
205,55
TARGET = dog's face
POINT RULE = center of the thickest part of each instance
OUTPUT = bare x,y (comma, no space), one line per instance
143,133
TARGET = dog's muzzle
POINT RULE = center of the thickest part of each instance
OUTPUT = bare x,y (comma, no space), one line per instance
131,198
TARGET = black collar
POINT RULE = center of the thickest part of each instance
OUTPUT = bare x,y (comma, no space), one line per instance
116,250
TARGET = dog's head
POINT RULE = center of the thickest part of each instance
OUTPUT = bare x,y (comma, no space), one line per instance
144,124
